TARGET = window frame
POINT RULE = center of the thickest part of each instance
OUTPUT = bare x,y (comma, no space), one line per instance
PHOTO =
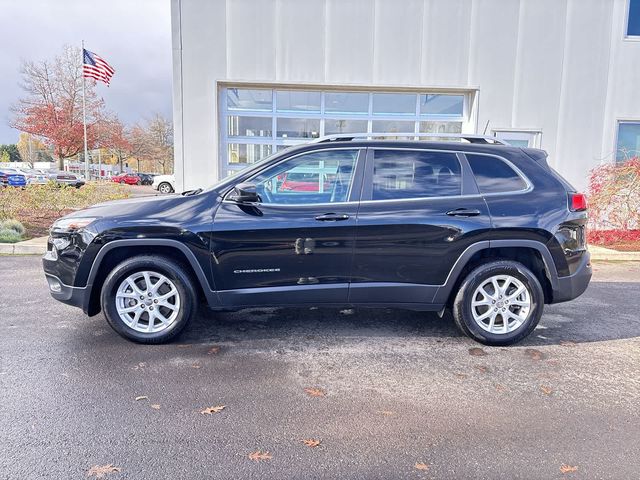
617,136
355,187
535,133
466,119
625,25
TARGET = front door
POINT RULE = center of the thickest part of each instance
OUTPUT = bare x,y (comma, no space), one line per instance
296,245
420,210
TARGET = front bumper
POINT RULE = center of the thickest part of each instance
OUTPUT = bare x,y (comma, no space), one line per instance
572,286
74,296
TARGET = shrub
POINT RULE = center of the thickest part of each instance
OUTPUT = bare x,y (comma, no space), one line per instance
614,196
14,225
610,237
8,235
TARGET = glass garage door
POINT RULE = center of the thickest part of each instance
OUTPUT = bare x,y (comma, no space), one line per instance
256,122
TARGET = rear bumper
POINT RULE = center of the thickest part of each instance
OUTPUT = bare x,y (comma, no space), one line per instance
573,286
74,296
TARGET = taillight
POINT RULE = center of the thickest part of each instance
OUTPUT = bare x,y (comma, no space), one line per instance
577,202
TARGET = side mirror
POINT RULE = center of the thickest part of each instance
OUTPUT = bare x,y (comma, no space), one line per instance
244,193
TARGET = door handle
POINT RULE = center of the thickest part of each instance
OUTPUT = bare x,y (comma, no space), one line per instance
463,212
332,217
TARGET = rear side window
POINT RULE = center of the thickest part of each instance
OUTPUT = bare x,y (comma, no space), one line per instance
494,175
399,174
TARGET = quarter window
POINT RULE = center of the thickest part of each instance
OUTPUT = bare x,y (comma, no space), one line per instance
494,175
318,177
401,174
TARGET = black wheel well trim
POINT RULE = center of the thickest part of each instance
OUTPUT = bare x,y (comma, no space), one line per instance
211,295
444,291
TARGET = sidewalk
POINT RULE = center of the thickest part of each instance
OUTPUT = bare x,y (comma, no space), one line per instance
38,246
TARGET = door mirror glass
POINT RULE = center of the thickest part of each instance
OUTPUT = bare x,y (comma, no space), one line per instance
244,193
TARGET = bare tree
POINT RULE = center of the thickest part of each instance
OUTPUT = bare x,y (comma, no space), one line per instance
160,136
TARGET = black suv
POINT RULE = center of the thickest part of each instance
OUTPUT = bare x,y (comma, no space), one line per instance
487,230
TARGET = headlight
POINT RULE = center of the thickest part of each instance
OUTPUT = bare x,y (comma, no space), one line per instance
72,224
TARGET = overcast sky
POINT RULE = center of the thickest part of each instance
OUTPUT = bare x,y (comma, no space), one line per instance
134,36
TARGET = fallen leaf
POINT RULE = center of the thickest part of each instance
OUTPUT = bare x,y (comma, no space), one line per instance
155,406
141,397
546,390
185,345
259,455
140,366
567,343
213,350
422,466
311,442
195,365
534,354
99,471
500,388
568,468
386,413
462,375
477,352
212,410
482,368
315,392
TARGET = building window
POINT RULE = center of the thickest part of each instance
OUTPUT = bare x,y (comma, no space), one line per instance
520,138
628,144
633,18
256,122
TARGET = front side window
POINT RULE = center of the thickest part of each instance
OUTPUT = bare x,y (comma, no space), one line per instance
317,177
493,175
400,174
628,141
633,19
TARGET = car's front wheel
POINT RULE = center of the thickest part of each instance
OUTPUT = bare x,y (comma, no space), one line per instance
165,187
148,299
499,303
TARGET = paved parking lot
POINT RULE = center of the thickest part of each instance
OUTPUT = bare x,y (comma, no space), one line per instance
399,394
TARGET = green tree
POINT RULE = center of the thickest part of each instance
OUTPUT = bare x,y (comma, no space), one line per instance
4,156
11,151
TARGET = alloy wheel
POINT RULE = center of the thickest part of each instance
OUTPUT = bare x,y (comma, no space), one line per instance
501,304
147,302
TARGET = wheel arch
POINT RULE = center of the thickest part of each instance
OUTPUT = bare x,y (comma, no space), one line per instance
116,251
532,254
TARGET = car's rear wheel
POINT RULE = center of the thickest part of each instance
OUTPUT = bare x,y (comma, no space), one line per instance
499,303
148,299
165,187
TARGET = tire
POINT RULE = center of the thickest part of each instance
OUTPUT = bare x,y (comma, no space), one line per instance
178,312
165,187
523,311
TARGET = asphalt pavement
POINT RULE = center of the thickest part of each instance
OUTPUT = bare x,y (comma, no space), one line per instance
389,394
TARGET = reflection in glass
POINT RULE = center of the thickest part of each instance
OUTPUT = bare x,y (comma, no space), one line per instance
297,101
344,126
240,126
440,127
392,126
249,99
442,104
298,127
346,102
628,141
247,153
394,103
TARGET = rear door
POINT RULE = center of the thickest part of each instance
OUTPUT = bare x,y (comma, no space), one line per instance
420,210
295,246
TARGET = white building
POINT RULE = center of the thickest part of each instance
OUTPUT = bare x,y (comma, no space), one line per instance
251,76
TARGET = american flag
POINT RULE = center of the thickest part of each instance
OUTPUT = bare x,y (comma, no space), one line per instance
96,67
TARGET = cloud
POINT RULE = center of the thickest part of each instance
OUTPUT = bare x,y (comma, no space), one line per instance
134,36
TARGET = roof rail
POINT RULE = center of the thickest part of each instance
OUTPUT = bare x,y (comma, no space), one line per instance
346,137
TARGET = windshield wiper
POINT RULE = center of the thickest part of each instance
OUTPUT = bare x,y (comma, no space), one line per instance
188,193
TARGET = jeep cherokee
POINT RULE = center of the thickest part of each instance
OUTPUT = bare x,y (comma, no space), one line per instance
485,229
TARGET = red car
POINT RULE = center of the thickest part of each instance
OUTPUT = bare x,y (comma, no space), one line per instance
302,182
128,178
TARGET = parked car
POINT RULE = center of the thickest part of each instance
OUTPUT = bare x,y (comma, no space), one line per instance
66,178
145,178
487,231
10,177
37,178
128,178
164,183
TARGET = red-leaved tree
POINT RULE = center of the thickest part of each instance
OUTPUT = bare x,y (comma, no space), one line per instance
52,106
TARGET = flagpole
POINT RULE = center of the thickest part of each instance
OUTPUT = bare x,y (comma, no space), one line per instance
84,122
